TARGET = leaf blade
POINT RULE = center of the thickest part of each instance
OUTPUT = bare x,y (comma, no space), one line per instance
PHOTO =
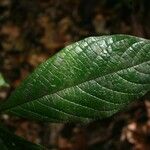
92,78
9,141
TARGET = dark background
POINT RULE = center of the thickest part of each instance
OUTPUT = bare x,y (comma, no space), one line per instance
33,30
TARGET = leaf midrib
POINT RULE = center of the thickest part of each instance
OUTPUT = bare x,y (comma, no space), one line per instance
77,85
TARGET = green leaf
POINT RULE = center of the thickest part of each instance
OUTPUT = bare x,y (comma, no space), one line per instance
90,79
9,141
2,81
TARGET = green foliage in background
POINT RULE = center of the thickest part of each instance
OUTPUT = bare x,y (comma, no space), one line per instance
2,81
9,141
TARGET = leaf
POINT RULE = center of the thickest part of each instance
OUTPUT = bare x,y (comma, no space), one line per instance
9,141
90,79
2,81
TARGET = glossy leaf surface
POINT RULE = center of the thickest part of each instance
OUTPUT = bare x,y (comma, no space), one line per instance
90,79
